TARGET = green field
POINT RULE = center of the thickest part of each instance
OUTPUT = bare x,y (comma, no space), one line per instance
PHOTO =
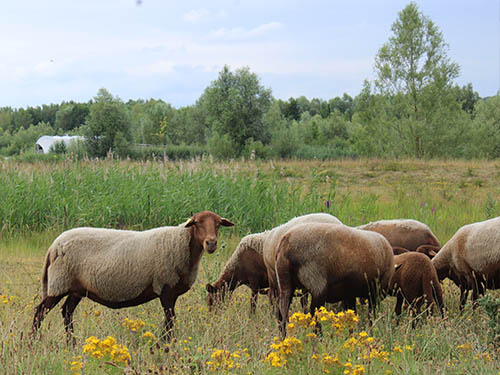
41,199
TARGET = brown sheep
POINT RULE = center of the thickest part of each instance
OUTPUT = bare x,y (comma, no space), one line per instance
408,234
244,267
122,268
271,246
414,280
471,258
333,263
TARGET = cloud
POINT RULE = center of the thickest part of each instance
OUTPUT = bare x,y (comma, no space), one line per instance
239,33
198,15
195,15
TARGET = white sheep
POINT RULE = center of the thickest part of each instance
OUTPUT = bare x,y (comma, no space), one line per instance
273,239
471,258
244,267
122,268
408,234
333,263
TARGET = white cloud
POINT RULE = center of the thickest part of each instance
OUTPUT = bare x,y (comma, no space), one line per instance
239,33
195,15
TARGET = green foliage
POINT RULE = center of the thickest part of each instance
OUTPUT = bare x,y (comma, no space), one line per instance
170,152
71,115
58,148
222,147
485,140
419,114
108,126
235,105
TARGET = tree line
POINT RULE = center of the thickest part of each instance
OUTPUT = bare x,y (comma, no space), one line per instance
412,109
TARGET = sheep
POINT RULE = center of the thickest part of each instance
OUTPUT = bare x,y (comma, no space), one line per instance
122,268
471,258
333,263
271,246
414,280
244,267
407,234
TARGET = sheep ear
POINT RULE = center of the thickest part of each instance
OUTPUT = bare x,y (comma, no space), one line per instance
210,288
226,223
190,222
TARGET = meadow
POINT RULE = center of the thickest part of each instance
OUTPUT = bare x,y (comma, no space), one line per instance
40,199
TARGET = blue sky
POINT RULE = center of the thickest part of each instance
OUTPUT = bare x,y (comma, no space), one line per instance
54,50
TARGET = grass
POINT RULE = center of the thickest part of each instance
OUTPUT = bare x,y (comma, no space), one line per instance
257,196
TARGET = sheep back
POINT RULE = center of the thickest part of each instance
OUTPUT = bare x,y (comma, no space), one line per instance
274,236
336,260
405,233
118,265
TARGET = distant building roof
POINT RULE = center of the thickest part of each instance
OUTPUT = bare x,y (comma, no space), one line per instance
45,142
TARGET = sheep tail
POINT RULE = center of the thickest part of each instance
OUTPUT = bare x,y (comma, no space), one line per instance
45,273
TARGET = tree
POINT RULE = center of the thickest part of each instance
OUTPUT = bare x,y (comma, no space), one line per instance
108,126
71,115
235,104
415,74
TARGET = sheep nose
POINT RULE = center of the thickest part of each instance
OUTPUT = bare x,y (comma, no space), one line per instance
211,244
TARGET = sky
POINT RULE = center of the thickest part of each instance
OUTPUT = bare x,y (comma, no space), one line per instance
60,50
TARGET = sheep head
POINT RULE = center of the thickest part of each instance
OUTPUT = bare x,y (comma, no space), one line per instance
205,226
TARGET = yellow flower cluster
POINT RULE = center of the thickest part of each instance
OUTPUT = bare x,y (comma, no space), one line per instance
340,321
367,345
5,299
99,349
149,336
283,350
133,325
353,370
225,360
301,320
76,365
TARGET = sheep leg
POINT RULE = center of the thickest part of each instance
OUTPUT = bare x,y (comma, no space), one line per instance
464,294
316,303
253,301
68,309
303,301
168,303
44,307
399,306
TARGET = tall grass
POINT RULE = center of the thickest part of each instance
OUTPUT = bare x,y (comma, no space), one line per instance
40,199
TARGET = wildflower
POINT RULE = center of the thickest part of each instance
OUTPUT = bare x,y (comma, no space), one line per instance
223,360
397,349
148,335
133,325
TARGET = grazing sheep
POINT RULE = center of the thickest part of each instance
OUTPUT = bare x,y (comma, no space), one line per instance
122,268
407,234
333,263
244,267
414,280
471,258
273,239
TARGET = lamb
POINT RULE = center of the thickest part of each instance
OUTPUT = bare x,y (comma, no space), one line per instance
122,268
471,258
244,267
414,280
333,263
273,239
407,234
